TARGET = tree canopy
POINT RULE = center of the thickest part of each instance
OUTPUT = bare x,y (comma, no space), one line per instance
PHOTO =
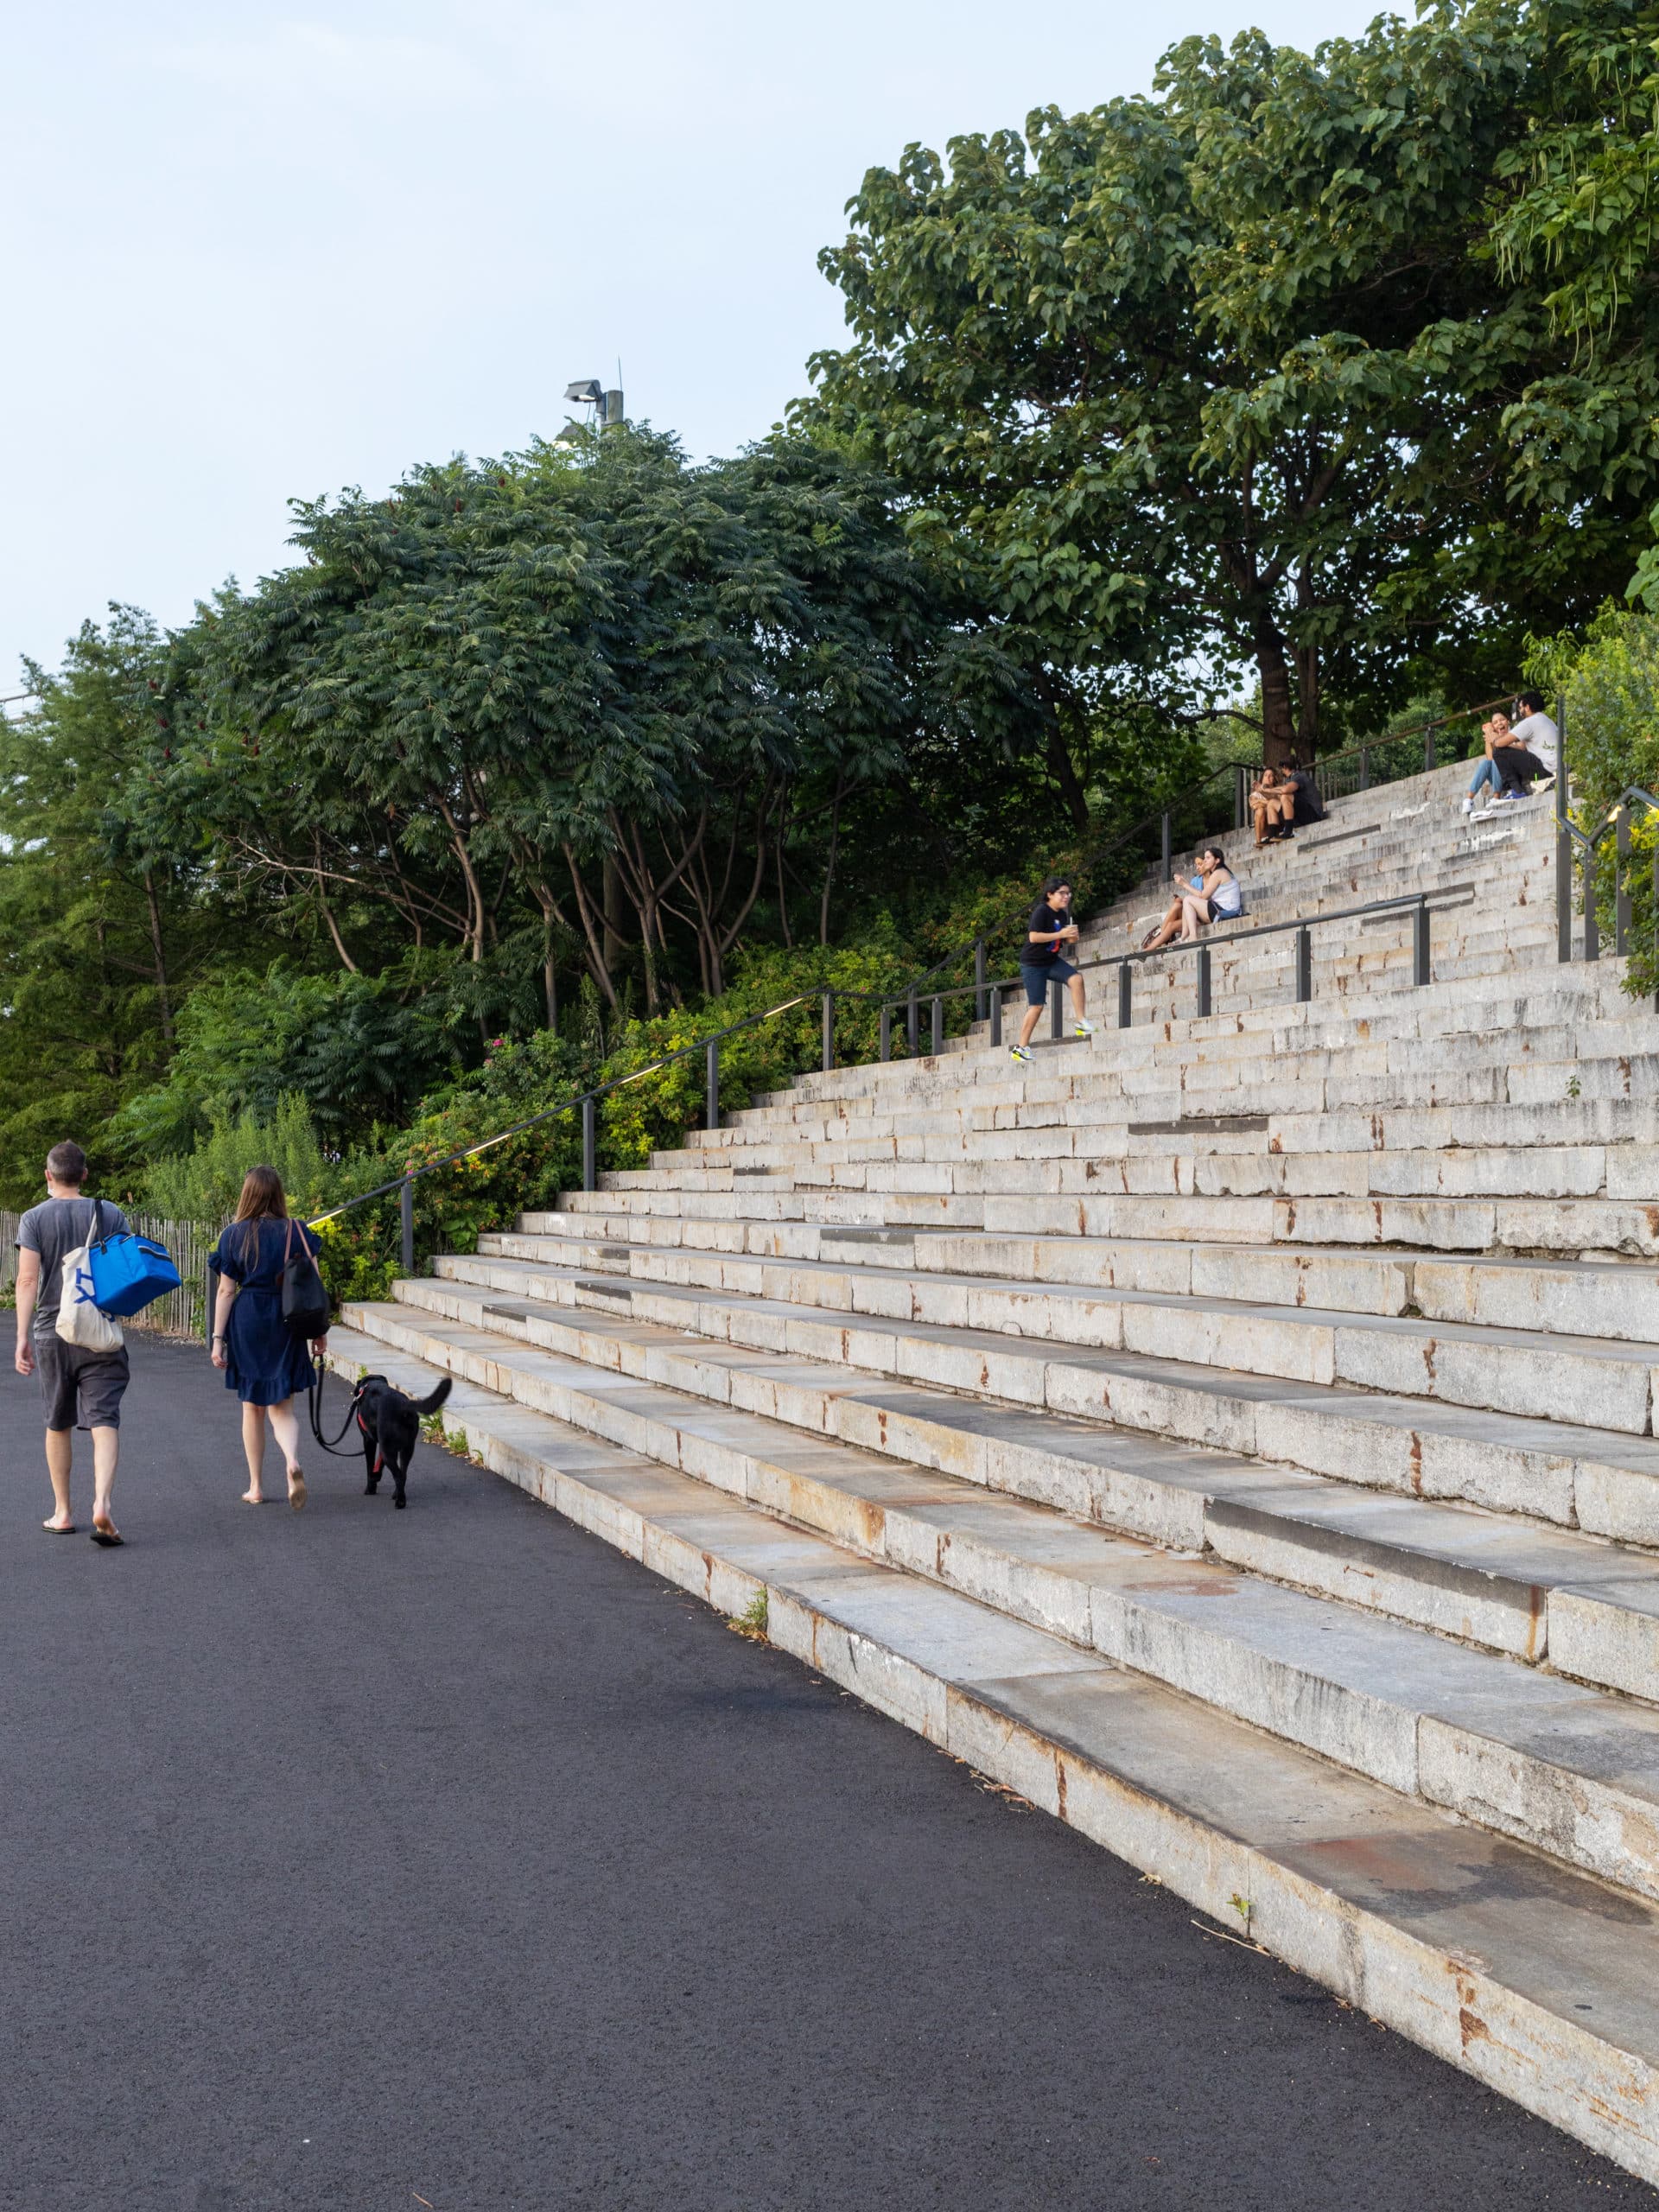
1235,379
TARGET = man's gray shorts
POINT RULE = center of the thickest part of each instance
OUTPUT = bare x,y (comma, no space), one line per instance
71,1373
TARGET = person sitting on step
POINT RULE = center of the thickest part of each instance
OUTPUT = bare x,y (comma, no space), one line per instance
1533,749
1214,894
1497,737
1273,805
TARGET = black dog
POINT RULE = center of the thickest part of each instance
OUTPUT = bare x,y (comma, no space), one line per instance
391,1424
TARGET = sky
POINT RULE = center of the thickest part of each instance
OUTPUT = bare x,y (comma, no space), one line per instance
251,254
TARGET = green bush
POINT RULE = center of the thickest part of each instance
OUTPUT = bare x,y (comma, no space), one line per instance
204,1183
1610,680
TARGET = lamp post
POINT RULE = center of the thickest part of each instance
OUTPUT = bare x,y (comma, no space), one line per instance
587,391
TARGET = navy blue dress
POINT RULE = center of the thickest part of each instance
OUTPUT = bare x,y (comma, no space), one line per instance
267,1362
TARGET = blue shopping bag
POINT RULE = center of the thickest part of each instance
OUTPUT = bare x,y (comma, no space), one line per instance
128,1271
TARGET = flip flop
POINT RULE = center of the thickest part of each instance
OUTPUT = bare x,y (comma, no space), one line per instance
108,1536
53,1530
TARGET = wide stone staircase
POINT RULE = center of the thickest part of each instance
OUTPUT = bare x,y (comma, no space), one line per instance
1235,1433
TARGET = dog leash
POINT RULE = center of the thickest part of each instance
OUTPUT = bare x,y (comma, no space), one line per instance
314,1400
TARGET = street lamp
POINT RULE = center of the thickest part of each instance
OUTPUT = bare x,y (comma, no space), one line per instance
587,392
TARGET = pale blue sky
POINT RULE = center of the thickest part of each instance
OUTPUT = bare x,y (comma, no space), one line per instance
252,253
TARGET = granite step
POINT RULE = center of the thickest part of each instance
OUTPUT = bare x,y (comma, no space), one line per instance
1612,1299
1536,1980
1573,1477
1566,1768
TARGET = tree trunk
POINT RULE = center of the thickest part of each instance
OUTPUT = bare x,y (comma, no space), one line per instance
1065,775
830,865
549,987
611,896
164,1003
593,935
1278,720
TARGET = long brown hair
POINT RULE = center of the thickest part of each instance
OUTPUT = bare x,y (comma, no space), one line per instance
263,1199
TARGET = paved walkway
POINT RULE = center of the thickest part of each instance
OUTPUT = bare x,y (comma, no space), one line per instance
362,1860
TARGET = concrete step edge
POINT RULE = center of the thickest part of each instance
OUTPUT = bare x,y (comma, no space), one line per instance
1441,1932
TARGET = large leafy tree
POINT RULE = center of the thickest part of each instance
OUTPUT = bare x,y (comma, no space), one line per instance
1215,383
586,690
102,930
1575,231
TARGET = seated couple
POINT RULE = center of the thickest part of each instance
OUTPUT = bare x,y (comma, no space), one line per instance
1516,754
1279,799
1213,895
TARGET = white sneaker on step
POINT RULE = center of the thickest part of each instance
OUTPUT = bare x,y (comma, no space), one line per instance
1082,1028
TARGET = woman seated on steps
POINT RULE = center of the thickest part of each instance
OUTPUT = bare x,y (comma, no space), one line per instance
1273,804
1213,895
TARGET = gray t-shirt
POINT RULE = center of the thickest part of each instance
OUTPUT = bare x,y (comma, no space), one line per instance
53,1229
1542,740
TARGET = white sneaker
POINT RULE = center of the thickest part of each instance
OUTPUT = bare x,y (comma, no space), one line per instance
1468,801
1082,1028
1020,1052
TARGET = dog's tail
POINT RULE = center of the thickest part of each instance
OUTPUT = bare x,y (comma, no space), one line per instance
430,1403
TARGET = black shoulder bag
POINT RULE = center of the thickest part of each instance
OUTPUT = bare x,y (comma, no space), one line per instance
305,1302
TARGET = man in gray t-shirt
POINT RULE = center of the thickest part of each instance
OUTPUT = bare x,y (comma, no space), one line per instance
71,1379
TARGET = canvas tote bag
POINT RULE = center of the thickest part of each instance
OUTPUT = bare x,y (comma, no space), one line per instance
79,1321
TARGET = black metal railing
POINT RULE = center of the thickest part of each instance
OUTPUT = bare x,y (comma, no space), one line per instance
1579,857
1225,791
987,992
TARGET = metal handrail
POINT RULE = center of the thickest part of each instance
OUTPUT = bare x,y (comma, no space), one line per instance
983,988
1163,816
1417,901
1588,843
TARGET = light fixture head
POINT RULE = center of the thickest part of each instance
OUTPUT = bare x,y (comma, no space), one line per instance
587,389
573,435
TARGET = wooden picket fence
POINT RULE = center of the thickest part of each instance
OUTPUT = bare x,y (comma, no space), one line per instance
182,1312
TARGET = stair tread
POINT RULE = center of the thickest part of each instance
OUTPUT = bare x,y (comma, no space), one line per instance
1537,1979
1523,1431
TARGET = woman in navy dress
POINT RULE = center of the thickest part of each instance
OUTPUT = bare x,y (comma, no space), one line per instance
263,1361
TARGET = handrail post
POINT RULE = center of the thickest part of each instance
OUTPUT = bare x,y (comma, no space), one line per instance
1364,768
937,1045
1125,987
1304,963
913,1027
1239,773
711,1088
886,1032
210,1288
406,1213
1428,750
1165,831
1563,888
980,996
590,1147
828,1030
1419,946
1057,1009
1622,884
996,996
1591,932
1203,981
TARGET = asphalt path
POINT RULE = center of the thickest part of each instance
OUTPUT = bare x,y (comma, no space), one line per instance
365,1859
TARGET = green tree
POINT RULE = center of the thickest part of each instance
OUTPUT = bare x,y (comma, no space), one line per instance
1214,383
101,931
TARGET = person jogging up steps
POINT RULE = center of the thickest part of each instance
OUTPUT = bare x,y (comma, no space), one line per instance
1041,961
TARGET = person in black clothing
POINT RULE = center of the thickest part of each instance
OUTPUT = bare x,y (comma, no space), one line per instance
1309,806
1049,932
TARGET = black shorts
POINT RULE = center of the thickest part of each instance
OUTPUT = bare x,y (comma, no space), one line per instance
70,1373
1037,980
